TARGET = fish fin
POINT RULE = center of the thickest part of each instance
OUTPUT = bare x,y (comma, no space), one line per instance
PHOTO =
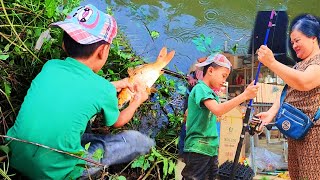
131,71
164,58
151,90
124,96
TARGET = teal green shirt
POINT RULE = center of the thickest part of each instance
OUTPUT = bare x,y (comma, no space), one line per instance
202,135
61,100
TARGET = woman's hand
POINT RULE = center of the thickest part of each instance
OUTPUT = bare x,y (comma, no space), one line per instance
266,118
265,55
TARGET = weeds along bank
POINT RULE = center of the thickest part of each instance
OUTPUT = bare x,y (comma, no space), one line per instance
25,45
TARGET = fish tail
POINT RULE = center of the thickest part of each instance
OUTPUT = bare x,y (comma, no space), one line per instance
164,58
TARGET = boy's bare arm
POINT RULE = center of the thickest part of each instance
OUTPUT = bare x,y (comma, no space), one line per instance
220,109
126,115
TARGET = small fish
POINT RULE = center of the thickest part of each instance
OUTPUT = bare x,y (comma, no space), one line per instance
145,74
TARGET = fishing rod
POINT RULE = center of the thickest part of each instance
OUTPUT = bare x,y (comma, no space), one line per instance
248,114
175,74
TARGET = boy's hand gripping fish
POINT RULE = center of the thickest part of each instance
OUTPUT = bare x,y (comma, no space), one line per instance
145,74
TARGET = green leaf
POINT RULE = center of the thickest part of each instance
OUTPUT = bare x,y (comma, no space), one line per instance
171,83
138,162
5,149
7,88
65,11
110,71
4,56
202,37
146,165
154,152
121,178
86,147
165,167
201,48
80,153
234,48
37,32
162,102
208,40
6,48
172,165
100,72
162,79
17,50
151,158
197,41
155,34
125,55
98,154
11,63
50,6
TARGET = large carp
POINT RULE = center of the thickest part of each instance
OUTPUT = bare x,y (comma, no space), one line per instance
146,74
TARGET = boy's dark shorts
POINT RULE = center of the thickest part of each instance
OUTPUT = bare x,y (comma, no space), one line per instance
199,166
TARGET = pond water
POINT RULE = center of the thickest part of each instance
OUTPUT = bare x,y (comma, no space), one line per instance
226,22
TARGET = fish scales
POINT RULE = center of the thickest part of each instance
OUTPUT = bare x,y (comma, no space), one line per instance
146,74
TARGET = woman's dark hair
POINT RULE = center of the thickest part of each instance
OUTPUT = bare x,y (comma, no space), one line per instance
77,50
306,24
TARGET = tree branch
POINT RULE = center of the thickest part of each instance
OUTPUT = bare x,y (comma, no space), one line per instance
56,150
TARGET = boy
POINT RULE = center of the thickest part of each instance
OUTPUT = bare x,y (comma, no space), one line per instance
201,142
65,95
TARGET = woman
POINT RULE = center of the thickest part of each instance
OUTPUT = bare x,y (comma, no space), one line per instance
303,93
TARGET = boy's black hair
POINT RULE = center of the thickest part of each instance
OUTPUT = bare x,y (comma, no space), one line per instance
77,50
205,68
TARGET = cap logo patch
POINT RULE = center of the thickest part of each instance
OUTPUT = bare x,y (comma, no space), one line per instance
83,15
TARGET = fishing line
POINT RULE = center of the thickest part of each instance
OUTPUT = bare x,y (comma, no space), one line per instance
274,31
248,114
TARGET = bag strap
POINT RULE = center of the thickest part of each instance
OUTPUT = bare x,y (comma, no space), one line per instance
283,95
317,115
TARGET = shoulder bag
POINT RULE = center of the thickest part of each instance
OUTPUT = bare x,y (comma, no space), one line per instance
291,121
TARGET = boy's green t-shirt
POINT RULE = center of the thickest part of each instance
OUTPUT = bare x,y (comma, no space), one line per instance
202,135
61,100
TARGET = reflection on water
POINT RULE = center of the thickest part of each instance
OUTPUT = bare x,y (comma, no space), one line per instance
179,22
227,22
211,15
